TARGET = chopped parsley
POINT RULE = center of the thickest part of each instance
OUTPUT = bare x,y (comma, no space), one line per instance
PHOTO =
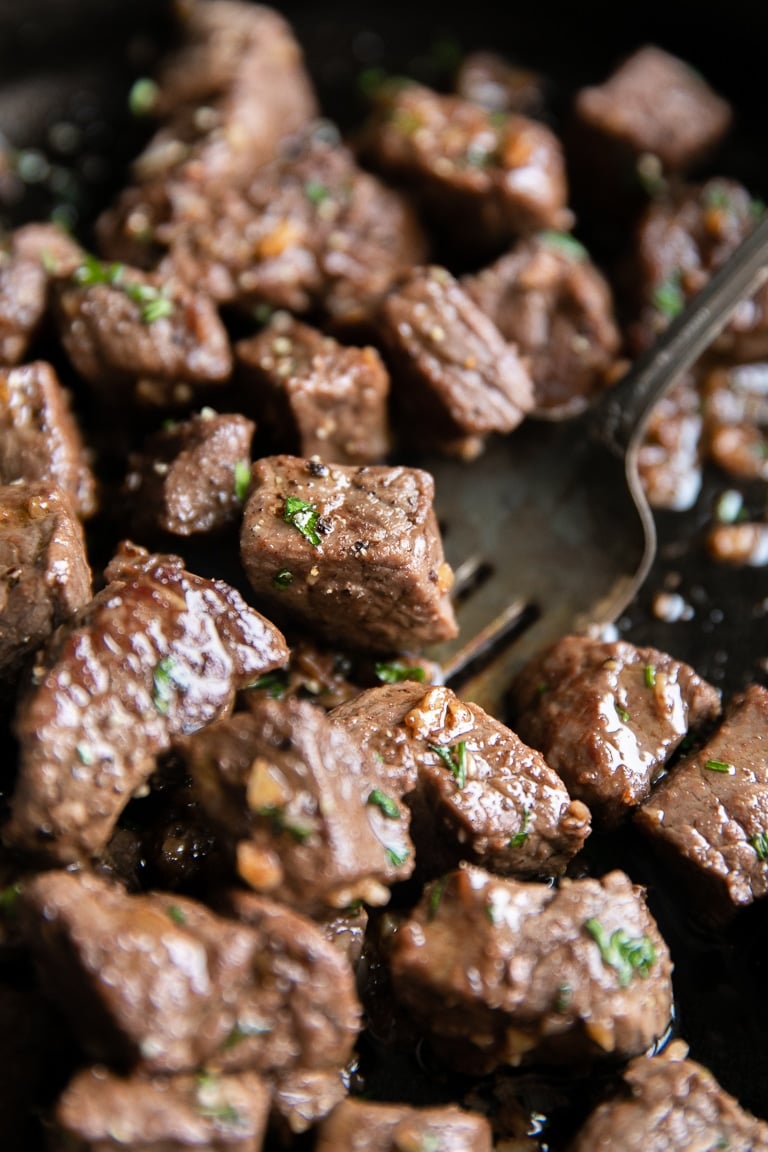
564,997
9,899
626,954
242,479
316,191
283,578
717,197
84,754
668,297
379,799
275,684
142,97
490,912
760,844
520,837
303,517
720,766
282,821
649,675
162,679
622,713
152,302
176,914
396,858
565,243
394,672
454,758
435,896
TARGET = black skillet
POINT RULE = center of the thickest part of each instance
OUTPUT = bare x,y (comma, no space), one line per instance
75,62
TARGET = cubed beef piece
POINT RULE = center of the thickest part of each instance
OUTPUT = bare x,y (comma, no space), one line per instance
711,812
369,1126
120,326
653,103
99,1111
682,238
157,654
548,298
313,396
454,376
502,971
44,573
39,436
354,554
191,476
481,794
313,231
307,818
671,1103
32,255
743,545
669,457
493,82
735,408
162,982
232,89
607,716
487,178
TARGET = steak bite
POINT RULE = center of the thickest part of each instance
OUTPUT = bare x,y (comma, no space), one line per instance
480,794
161,982
312,396
370,1126
32,254
548,299
98,1111
710,813
735,410
123,327
608,716
311,822
354,554
500,971
157,654
669,458
191,476
45,578
483,177
455,379
671,1102
39,436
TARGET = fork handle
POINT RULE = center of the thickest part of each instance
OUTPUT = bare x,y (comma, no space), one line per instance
619,417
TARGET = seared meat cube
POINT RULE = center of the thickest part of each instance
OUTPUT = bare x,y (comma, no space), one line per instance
161,981
501,971
682,238
454,377
354,554
122,326
607,717
157,654
672,1103
552,303
312,231
652,104
735,404
99,1111
494,83
483,177
711,812
309,821
669,459
39,437
234,87
312,396
191,476
44,574
481,794
369,1126
33,254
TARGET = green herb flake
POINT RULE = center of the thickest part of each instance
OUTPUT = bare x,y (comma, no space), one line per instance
756,208
242,1030
760,844
626,954
490,912
91,271
282,821
565,243
142,97
158,308
275,684
395,672
622,713
668,297
152,302
720,766
242,479
303,517
316,192
520,837
84,754
173,912
9,899
379,799
649,675
564,997
716,197
435,896
283,578
396,857
162,678
454,758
